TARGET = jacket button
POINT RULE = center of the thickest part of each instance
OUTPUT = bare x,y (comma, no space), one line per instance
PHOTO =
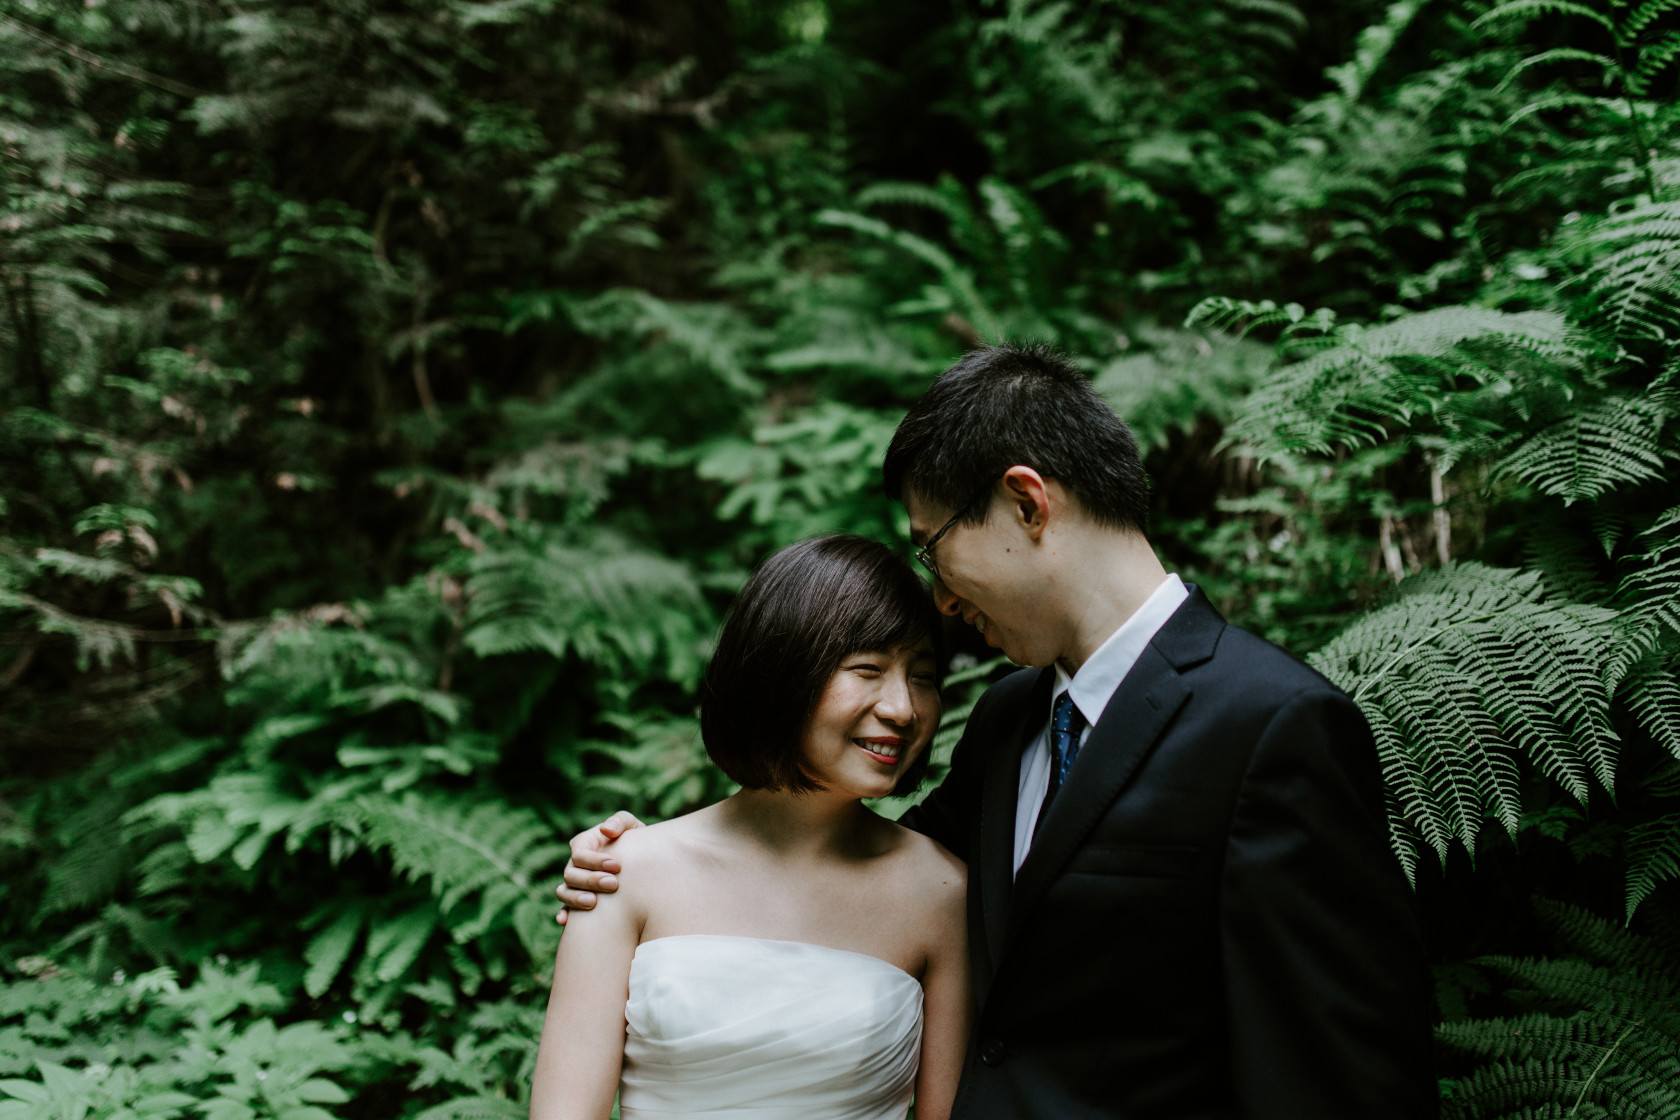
991,1052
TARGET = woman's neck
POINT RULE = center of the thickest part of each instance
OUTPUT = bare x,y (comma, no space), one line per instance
816,823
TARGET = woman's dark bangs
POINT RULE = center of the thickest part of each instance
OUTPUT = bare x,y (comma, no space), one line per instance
896,611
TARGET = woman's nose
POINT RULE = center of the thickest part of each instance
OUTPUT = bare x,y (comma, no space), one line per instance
894,704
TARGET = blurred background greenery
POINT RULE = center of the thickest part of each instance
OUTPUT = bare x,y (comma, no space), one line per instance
393,392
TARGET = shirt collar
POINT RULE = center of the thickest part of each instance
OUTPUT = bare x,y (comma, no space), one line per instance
1095,683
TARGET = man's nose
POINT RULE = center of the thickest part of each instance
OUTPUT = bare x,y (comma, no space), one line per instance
944,600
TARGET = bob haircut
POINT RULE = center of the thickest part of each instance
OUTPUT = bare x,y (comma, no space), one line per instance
804,610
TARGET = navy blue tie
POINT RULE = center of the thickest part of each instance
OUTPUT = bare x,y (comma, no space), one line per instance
1066,724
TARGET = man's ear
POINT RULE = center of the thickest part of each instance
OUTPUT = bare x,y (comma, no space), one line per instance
1030,500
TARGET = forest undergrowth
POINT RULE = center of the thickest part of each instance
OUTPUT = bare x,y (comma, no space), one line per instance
392,395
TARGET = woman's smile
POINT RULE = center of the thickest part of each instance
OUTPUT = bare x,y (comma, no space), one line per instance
883,749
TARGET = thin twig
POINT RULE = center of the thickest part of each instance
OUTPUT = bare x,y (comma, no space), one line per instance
119,68
1593,1076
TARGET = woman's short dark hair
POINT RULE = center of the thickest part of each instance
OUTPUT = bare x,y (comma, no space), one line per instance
804,610
1002,406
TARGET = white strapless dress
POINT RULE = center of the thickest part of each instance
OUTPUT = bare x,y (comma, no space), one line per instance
771,1030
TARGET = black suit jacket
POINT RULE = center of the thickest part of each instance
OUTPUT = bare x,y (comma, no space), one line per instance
1210,923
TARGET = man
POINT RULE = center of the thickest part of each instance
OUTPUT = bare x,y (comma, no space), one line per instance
1181,898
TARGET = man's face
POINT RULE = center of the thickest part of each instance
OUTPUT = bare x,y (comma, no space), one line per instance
991,575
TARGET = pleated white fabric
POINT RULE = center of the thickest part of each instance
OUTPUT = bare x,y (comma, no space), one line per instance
771,1030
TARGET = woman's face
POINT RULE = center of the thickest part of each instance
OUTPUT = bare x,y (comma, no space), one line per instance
877,713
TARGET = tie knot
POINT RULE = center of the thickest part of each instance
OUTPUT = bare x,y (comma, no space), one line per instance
1067,717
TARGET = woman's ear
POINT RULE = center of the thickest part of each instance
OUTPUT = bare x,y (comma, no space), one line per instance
1029,499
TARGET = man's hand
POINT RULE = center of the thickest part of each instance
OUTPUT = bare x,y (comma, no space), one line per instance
590,869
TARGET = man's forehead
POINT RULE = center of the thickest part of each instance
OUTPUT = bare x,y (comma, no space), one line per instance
925,517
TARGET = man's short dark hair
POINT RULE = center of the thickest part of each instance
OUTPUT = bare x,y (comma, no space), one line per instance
803,612
1003,406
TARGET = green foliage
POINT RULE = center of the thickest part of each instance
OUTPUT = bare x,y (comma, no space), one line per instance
1600,1037
1466,668
392,397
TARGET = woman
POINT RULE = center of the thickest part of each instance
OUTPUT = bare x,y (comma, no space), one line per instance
784,953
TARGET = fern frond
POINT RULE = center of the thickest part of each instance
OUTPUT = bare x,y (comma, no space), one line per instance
1653,855
1653,695
328,950
1654,58
1026,237
1650,595
1592,450
475,1108
893,193
1635,259
1468,670
1372,380
1534,9
958,280
393,944
605,600
1607,1043
1644,15
1121,188
490,851
1559,54
1582,933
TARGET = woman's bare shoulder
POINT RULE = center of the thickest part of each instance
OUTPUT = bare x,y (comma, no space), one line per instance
666,845
931,867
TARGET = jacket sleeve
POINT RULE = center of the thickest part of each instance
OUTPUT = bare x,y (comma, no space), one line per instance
948,814
1327,986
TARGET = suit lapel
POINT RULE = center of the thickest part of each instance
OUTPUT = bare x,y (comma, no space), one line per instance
1137,713
999,794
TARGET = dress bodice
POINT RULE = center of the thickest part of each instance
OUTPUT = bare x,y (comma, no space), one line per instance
772,1030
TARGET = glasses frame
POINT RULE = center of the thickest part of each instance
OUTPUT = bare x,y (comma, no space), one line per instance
924,554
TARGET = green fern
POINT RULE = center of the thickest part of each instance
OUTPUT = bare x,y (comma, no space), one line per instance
1467,672
1653,855
1603,1038
491,856
1381,378
1634,278
604,600
959,291
1615,441
1650,594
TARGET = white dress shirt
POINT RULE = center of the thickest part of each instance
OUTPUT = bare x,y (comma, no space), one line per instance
1091,689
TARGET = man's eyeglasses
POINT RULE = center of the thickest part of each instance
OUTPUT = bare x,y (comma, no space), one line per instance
924,554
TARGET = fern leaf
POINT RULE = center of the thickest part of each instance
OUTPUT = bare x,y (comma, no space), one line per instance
393,944
491,851
328,950
891,193
1635,257
607,601
1592,450
1651,594
1653,855
1654,58
1533,9
475,1108
1605,64
1644,15
958,280
1653,696
1372,380
1467,671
